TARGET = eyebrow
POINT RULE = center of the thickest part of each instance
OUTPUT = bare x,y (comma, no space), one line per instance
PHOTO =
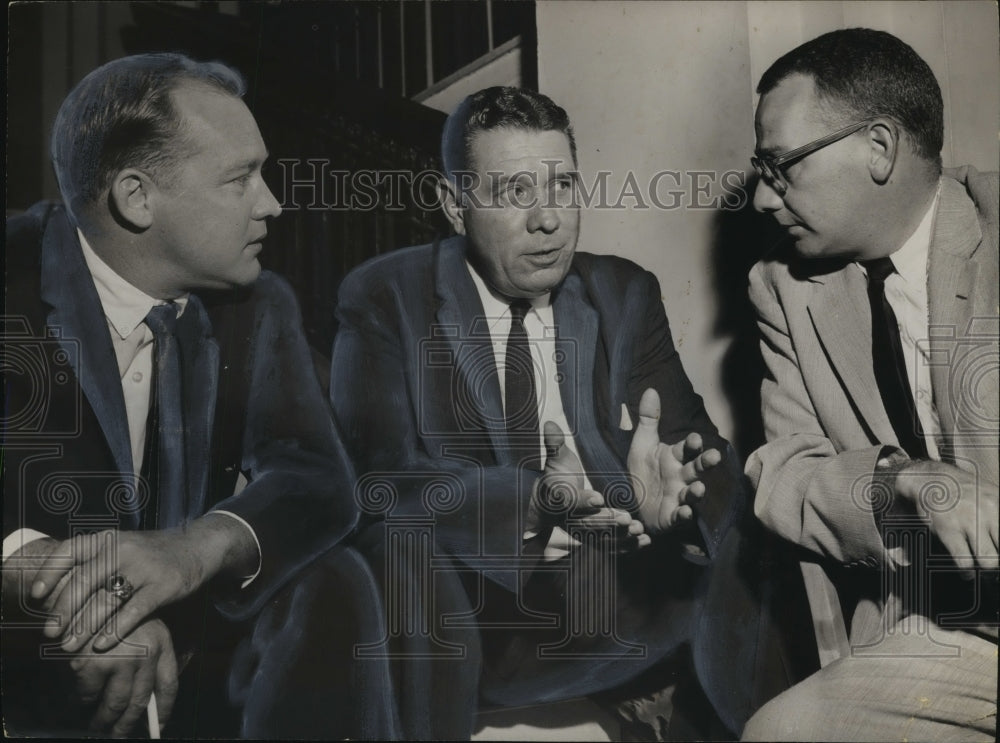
249,164
505,179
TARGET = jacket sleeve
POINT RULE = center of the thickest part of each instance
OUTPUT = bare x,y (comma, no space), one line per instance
299,497
806,490
477,509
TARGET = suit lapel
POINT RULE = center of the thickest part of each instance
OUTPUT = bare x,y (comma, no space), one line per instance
951,278
577,324
839,311
77,317
615,312
460,317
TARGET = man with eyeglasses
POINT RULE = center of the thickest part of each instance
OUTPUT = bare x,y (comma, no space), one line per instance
878,320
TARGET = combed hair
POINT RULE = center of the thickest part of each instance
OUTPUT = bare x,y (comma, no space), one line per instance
870,73
121,115
495,108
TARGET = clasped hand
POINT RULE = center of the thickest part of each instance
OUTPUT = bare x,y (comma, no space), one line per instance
112,685
162,567
118,683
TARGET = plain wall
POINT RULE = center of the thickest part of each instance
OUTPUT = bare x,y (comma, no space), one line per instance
654,86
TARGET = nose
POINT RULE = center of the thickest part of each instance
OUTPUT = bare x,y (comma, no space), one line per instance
765,198
543,218
267,205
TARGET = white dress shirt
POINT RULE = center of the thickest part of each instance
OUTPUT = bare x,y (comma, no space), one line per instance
125,308
906,292
540,327
539,324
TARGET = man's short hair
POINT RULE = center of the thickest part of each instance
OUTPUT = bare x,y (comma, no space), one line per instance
868,73
121,115
495,108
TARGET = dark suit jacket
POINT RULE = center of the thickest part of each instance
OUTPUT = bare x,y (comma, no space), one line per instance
824,418
416,392
251,399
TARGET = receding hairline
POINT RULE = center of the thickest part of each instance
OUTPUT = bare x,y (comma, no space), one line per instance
825,108
476,134
181,140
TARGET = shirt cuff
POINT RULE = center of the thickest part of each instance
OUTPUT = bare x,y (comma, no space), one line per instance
247,580
13,542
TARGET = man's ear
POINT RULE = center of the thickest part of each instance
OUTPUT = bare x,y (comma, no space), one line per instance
131,198
883,140
451,204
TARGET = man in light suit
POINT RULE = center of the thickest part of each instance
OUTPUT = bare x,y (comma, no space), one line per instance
634,505
878,322
170,463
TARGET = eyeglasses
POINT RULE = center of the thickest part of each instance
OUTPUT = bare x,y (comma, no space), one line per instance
771,169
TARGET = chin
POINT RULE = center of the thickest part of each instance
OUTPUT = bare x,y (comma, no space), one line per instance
551,277
246,276
809,249
252,275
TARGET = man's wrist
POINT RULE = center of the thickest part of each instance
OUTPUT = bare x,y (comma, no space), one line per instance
890,488
258,563
224,547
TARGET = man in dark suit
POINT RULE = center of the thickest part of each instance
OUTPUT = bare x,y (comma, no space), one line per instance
170,462
879,328
558,574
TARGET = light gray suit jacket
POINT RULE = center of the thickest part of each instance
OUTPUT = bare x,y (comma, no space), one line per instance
824,419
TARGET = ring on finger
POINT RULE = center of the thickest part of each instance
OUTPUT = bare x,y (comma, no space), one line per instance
120,587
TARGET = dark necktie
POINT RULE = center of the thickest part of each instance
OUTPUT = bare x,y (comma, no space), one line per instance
167,472
521,404
889,363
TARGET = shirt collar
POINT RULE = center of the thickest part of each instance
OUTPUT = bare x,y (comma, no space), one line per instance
496,305
124,305
910,261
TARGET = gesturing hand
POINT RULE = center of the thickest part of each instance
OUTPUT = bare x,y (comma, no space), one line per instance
666,479
121,680
161,566
561,494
